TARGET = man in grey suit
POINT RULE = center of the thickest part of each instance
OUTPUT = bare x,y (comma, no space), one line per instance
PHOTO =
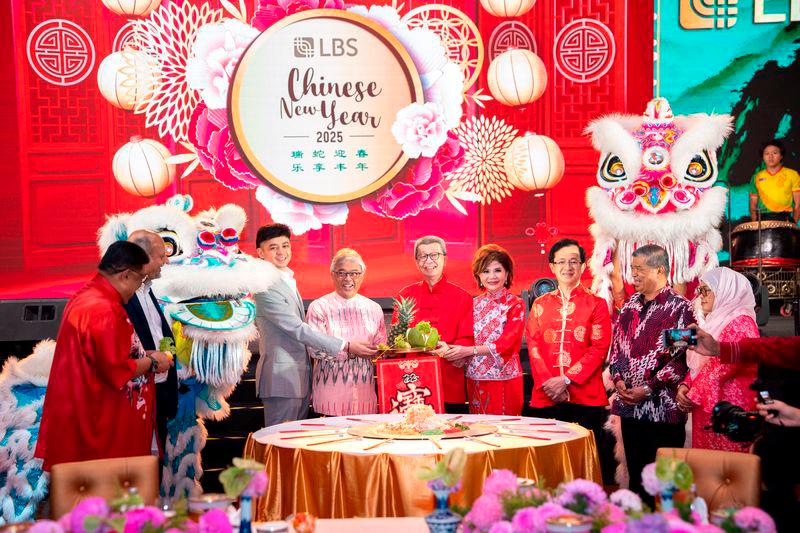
283,373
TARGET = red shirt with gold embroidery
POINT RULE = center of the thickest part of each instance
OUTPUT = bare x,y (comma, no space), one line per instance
448,308
569,337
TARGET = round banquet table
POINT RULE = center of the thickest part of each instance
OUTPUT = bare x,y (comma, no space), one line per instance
341,479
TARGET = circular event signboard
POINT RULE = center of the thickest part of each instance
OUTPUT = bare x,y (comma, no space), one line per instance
312,104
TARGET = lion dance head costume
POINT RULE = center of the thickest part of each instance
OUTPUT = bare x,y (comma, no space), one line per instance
656,179
205,291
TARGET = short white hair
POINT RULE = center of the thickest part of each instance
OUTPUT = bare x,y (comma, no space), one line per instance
347,254
430,239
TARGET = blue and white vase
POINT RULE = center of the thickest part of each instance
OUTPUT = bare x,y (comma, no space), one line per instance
666,504
246,514
442,519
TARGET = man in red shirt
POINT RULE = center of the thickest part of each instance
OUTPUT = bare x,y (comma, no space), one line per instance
100,398
447,307
568,335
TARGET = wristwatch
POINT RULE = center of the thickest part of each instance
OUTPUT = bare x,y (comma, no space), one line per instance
153,364
567,381
648,391
474,350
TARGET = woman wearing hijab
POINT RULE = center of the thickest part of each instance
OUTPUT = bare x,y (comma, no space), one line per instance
728,308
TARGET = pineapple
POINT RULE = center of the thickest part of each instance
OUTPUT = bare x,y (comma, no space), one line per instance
406,309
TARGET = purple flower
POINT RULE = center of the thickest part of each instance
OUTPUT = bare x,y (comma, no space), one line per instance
499,482
486,510
137,519
649,523
752,519
582,496
257,485
650,480
215,521
95,509
628,500
502,527
46,526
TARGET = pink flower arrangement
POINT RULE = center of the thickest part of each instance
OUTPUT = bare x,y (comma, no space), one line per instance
46,526
423,188
627,500
87,516
300,216
486,510
650,480
534,519
211,138
215,521
420,129
753,520
215,54
268,12
137,519
581,496
499,482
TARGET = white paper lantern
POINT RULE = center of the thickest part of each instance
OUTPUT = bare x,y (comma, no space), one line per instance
534,163
517,77
507,8
127,78
132,8
140,167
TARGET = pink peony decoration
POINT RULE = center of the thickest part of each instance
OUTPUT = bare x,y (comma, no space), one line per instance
486,510
614,528
612,513
424,187
593,495
499,482
215,54
420,129
257,486
89,507
211,138
300,216
215,521
268,12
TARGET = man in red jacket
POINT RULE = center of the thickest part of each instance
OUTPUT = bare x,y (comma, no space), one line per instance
447,307
568,335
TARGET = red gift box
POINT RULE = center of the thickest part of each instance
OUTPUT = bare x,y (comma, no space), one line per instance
410,381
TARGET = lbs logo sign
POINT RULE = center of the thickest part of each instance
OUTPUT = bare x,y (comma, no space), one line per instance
306,47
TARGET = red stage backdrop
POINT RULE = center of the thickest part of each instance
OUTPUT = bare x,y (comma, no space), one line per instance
61,135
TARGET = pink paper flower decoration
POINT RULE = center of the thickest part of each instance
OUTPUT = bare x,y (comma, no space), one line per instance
300,216
93,506
268,12
753,519
486,510
211,138
137,519
215,54
420,129
215,521
423,188
499,482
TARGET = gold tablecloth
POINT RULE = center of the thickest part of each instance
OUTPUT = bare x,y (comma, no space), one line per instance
342,480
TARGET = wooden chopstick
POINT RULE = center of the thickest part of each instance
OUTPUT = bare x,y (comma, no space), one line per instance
305,430
332,440
456,417
360,420
553,431
476,439
435,441
381,443
311,424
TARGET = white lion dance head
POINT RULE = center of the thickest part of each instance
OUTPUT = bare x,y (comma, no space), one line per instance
656,175
205,289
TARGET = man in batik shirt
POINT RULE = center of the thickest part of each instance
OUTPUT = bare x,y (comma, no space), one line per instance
646,374
568,334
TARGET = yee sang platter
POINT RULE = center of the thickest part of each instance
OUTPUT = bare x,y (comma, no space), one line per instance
421,422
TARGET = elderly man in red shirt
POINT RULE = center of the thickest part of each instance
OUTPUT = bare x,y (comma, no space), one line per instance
447,307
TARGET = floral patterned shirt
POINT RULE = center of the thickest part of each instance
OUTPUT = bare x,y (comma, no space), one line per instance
638,356
499,322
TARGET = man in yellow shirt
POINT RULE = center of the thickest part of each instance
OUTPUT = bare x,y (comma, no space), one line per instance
775,190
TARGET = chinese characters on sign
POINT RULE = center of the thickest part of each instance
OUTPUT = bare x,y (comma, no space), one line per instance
406,382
